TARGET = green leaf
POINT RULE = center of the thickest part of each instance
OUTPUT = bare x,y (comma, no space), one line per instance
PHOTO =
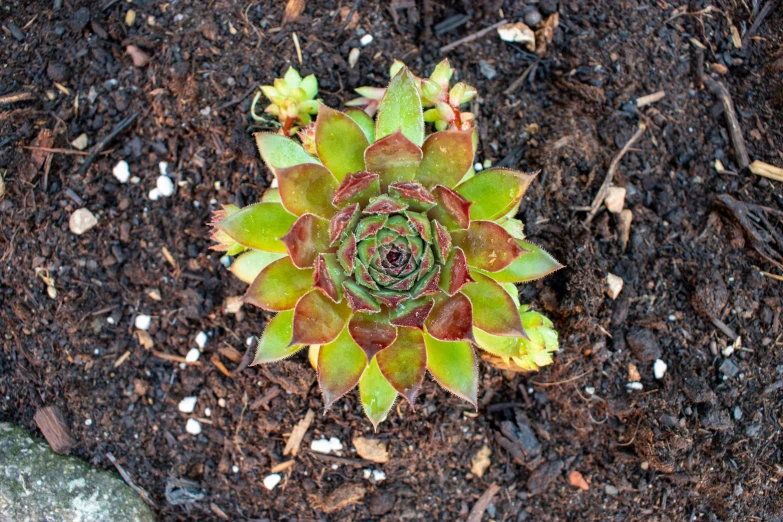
318,319
307,188
498,345
447,156
494,310
279,152
535,264
378,395
404,363
494,192
307,238
275,343
487,245
400,109
279,286
259,226
340,142
341,364
272,195
394,157
453,365
363,120
248,265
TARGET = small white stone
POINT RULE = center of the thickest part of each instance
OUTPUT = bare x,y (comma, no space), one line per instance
193,355
270,481
188,404
183,366
81,142
614,285
201,339
367,473
142,322
110,320
615,199
225,260
81,221
88,422
326,446
335,466
634,386
206,111
207,412
659,369
121,171
589,390
154,194
135,180
193,427
235,469
163,166
365,40
478,167
353,57
222,402
250,340
165,186
378,475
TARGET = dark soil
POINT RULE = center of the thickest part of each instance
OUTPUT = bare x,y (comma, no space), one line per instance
702,443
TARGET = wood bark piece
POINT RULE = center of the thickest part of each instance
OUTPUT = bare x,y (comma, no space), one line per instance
735,132
51,422
298,433
481,504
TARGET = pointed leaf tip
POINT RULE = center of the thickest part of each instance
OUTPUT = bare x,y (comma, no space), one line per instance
377,394
404,363
341,364
400,109
453,365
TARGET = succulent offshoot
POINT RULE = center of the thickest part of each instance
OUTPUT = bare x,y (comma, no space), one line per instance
292,101
383,252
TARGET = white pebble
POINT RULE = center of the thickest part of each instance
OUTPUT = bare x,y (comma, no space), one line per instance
206,111
88,422
188,404
164,167
222,402
207,412
589,390
121,171
367,473
183,366
193,355
135,180
81,221
193,427
365,40
235,469
201,339
225,261
634,386
154,194
378,475
165,186
142,322
659,369
270,481
250,340
478,167
326,446
110,320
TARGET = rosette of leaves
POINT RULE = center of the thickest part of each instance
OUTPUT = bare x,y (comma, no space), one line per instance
293,100
384,251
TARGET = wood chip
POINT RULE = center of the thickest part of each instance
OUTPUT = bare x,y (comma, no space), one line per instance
614,285
480,462
293,9
633,373
277,468
230,353
122,358
624,227
615,199
766,170
169,257
578,481
344,496
298,433
174,358
650,98
145,339
481,504
219,365
371,449
51,422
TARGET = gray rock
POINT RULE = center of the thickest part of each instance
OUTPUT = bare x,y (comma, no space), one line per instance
487,70
729,368
38,485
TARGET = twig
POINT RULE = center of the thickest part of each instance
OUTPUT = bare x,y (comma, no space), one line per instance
340,460
98,147
735,133
570,379
723,327
16,97
349,16
471,37
481,504
760,168
174,358
127,478
298,48
773,276
57,151
238,99
768,8
602,192
519,81
650,98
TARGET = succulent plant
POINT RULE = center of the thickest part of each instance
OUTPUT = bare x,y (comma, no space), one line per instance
383,252
293,100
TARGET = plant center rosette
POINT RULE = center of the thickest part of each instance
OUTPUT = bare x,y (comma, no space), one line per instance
382,248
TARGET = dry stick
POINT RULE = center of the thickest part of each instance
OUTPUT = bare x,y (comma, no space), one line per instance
238,99
519,81
349,17
16,97
735,133
470,38
481,504
602,192
121,126
768,8
127,478
723,327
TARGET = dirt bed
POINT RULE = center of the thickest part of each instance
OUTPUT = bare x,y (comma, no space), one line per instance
701,443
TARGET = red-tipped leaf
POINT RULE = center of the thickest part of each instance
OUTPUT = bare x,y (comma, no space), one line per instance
318,319
372,331
307,238
451,319
487,246
279,286
307,188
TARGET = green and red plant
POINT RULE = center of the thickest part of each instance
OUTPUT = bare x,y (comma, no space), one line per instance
382,251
